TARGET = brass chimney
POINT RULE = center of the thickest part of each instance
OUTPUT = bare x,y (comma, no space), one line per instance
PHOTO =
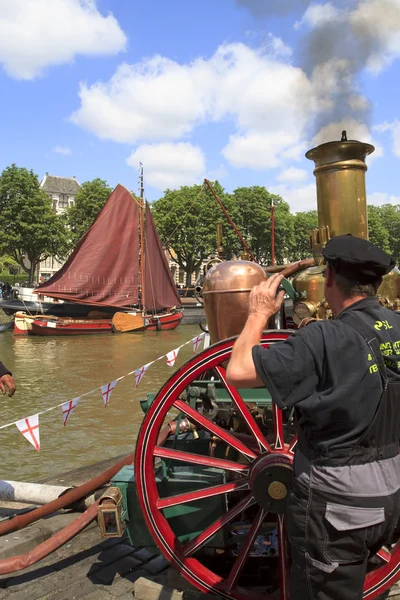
341,196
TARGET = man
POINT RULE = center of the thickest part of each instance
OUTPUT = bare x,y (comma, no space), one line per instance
343,378
6,381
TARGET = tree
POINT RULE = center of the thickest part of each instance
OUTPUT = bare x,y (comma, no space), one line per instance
303,224
89,201
31,231
253,218
390,217
186,221
377,232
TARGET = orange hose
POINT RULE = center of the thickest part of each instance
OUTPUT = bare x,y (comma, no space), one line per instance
20,521
17,563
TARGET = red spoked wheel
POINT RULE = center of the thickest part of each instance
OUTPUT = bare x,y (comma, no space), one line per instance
227,553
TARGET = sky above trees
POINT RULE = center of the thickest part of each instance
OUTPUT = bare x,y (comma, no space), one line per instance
234,90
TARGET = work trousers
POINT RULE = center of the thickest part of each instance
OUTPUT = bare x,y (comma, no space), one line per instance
332,538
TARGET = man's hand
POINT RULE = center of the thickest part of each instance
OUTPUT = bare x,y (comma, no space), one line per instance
7,383
264,298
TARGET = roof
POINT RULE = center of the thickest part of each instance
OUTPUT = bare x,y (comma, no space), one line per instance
60,185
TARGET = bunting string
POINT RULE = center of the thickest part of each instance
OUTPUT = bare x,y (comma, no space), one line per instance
29,426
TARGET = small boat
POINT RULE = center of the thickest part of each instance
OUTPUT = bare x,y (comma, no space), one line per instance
119,266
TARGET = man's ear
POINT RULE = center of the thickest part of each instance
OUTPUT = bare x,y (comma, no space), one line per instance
329,275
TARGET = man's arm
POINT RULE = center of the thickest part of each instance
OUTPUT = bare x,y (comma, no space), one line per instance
6,381
263,303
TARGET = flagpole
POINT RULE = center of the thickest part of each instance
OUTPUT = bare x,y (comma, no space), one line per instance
272,232
142,239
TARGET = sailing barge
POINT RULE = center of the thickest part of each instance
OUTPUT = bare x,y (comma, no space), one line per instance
118,265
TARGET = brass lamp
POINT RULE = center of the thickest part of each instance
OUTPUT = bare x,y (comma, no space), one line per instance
110,513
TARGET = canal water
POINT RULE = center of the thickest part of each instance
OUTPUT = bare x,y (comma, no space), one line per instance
50,370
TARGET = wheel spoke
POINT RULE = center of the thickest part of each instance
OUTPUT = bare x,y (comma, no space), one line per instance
279,443
249,420
293,444
384,555
283,559
215,429
216,490
220,523
244,552
199,459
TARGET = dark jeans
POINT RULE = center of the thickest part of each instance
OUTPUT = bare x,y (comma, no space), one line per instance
331,538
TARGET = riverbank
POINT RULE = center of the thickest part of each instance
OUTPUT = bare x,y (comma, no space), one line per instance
87,567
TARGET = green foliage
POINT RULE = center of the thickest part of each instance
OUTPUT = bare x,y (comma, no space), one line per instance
89,201
253,218
377,232
303,224
31,232
186,222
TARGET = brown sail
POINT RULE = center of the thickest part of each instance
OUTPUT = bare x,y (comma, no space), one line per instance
103,269
159,289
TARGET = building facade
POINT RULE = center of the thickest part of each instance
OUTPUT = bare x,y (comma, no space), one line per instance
62,191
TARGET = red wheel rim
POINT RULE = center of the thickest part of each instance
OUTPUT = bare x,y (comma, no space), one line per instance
152,505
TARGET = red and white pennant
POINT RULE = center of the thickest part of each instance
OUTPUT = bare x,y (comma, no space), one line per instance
139,373
197,341
106,391
172,356
29,427
67,408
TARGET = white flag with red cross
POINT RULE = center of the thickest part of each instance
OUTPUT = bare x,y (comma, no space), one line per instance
29,427
106,391
67,408
139,373
197,341
172,356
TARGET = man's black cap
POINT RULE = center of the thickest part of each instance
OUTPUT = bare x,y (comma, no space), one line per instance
358,259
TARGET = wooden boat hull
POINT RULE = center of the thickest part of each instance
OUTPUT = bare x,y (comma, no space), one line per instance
70,327
46,326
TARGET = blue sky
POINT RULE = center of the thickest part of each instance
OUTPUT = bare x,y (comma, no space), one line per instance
226,89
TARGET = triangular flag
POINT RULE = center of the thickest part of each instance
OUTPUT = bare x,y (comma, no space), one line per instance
29,427
67,408
172,356
197,341
106,391
140,372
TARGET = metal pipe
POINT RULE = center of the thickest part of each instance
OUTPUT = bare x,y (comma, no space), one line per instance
17,563
20,521
30,493
279,268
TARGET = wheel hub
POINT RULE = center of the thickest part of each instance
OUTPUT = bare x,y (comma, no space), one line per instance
270,481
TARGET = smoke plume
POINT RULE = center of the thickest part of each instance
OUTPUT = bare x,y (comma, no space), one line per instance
340,40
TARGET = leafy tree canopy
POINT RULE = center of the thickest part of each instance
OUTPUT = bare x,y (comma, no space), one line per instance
303,224
187,220
31,232
89,201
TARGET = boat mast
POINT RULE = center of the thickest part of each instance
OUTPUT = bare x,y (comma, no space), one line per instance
142,236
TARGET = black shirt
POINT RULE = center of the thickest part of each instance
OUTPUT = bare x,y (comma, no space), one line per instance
327,372
4,370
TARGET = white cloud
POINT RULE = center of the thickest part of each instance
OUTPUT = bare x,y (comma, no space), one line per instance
319,14
169,165
293,174
64,150
300,199
159,99
377,22
394,129
259,151
379,198
38,34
